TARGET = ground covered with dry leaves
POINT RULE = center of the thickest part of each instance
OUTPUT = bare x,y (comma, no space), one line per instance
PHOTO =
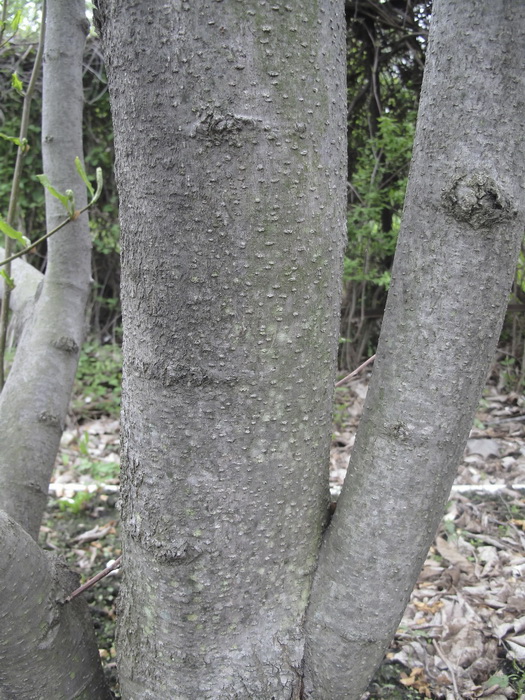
463,633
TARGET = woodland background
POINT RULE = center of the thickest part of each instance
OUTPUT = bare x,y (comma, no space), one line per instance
385,61
466,590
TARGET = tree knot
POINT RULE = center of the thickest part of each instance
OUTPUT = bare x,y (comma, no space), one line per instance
216,126
477,200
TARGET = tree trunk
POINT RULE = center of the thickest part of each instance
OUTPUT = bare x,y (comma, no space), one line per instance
22,298
456,256
230,143
34,401
47,647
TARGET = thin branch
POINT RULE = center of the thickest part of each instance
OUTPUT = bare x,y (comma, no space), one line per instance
73,217
450,668
352,374
15,187
45,236
116,564
3,21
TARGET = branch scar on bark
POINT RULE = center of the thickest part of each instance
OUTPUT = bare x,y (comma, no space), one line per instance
215,126
179,373
174,553
50,419
477,200
66,344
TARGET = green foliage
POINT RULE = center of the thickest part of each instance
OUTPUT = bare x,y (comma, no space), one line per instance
385,59
517,677
17,85
12,23
100,471
513,676
23,19
66,199
15,140
378,184
77,504
10,281
30,214
98,146
97,385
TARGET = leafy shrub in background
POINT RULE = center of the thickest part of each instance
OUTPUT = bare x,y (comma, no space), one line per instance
17,56
378,185
98,142
97,386
377,192
385,59
19,59
77,503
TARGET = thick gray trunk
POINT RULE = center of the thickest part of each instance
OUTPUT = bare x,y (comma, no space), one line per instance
230,143
34,401
47,650
463,224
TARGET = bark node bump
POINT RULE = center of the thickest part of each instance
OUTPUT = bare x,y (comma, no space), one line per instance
478,200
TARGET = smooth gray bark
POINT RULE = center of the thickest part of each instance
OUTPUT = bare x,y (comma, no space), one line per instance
35,398
462,228
230,145
47,647
27,280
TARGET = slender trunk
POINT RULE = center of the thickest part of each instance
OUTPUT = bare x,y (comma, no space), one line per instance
22,298
461,233
34,401
47,648
230,144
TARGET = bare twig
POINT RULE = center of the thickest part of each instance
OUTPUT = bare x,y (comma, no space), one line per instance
352,374
92,581
450,668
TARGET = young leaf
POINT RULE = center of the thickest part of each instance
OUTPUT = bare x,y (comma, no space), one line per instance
100,182
63,198
16,83
13,139
13,233
82,173
15,22
10,281
71,203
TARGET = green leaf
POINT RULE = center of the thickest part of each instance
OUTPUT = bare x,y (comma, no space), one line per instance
15,22
63,198
70,202
82,173
10,281
13,139
13,233
16,83
499,679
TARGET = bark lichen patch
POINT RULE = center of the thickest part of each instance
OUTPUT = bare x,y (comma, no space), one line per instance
477,200
179,373
50,419
216,127
66,344
399,431
177,552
